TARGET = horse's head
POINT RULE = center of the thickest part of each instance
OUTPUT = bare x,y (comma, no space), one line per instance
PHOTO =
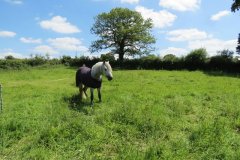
107,70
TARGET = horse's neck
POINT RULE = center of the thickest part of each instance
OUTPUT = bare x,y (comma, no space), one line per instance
96,73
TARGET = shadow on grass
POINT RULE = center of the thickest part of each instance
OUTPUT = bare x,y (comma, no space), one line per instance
222,74
74,103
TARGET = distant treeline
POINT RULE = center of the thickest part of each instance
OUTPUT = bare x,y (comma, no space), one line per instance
195,60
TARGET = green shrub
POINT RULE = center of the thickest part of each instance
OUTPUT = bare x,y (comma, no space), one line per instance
196,59
13,64
36,61
107,57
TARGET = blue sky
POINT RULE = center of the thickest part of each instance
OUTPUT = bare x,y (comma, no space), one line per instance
62,27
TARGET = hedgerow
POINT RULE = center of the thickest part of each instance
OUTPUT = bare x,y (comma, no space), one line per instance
195,60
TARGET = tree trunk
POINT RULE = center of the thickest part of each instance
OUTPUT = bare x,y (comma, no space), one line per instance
121,57
121,51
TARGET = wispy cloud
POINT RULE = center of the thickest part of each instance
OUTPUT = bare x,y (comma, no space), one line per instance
187,35
44,49
173,50
195,39
160,19
67,44
219,15
130,1
11,53
7,34
17,2
180,5
213,45
30,40
59,24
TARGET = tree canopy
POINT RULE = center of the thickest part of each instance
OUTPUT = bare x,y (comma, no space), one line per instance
226,53
196,58
238,46
123,31
235,5
107,57
9,57
169,58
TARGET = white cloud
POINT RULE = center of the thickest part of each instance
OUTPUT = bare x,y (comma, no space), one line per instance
160,19
14,1
213,45
44,49
30,40
186,35
175,51
219,15
197,39
130,1
180,5
68,44
7,34
12,53
59,24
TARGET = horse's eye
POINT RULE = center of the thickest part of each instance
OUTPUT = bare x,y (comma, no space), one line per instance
105,69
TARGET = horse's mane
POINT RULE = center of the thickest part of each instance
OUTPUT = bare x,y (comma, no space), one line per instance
107,64
96,69
98,65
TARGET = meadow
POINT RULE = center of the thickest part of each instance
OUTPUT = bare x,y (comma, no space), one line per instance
144,114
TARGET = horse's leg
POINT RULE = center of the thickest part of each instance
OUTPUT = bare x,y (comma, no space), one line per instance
80,90
91,89
99,94
85,90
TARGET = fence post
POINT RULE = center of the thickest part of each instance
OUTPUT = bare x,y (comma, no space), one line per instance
1,100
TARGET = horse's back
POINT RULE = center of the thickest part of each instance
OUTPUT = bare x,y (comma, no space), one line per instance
83,76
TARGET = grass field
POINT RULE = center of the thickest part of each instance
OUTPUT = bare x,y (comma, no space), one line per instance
143,115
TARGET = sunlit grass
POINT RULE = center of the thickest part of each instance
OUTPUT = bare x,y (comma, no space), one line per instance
143,115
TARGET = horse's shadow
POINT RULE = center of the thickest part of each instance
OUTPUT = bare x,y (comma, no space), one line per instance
76,104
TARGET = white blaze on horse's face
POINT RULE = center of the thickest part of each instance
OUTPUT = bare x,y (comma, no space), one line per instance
107,70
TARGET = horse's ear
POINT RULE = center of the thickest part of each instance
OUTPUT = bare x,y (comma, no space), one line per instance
103,62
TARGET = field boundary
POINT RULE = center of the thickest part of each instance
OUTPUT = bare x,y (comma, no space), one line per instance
1,101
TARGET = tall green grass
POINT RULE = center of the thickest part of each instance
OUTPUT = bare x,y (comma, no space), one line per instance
144,115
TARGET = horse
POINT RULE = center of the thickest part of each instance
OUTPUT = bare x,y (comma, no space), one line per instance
92,78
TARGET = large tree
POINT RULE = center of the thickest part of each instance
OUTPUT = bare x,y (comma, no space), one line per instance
235,5
123,31
238,46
